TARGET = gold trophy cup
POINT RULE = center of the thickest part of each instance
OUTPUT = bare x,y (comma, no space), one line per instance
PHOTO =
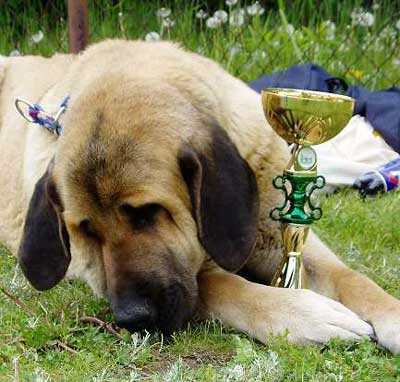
303,118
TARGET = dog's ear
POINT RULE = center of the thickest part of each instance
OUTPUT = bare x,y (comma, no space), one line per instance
44,252
224,198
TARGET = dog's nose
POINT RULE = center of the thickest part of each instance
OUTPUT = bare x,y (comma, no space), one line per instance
135,318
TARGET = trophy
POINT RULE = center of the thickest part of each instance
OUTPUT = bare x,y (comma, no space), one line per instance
303,118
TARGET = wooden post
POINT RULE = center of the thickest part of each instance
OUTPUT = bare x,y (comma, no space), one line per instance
78,25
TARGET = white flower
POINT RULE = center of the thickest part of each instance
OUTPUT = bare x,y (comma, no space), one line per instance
201,14
362,18
255,9
234,50
329,29
259,55
37,37
375,6
289,29
163,12
168,23
15,53
120,14
221,16
152,37
236,17
398,24
229,3
213,22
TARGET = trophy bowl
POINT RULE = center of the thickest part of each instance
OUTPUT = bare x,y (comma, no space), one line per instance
306,117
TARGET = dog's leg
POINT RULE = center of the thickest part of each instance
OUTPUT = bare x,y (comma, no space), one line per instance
329,276
262,311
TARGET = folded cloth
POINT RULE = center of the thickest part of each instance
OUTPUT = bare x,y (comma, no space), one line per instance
381,108
357,149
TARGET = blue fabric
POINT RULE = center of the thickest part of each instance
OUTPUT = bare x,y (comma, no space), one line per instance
381,108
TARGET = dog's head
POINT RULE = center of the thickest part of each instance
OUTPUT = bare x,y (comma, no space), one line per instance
142,191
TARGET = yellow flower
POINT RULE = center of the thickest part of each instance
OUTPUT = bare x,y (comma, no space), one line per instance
355,73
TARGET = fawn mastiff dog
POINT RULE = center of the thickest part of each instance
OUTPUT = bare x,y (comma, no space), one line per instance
157,193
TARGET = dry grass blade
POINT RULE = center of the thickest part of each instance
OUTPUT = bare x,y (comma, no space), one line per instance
101,323
17,301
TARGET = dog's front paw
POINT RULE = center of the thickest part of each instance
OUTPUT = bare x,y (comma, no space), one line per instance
311,318
387,330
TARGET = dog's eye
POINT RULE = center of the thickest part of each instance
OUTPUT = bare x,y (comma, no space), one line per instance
141,217
87,229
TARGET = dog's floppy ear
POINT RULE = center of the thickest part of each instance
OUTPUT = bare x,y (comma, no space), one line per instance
44,252
224,198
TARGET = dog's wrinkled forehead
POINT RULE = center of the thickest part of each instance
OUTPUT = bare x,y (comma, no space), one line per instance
106,163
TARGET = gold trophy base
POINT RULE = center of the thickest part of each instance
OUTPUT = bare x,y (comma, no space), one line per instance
291,272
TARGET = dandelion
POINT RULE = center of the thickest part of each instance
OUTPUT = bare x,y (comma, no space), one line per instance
152,37
329,29
362,18
375,6
201,14
259,55
37,37
355,73
255,9
236,17
168,23
213,22
398,24
221,15
234,50
15,53
230,3
120,15
289,29
163,12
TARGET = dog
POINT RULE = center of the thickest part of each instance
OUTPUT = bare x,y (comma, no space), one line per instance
157,193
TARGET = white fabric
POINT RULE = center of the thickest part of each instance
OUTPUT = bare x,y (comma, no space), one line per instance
353,152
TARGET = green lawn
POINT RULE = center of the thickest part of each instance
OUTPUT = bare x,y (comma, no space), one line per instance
42,336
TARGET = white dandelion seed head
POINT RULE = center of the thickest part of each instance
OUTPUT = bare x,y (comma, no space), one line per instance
259,55
375,6
329,29
152,37
289,29
221,15
398,25
230,3
120,14
15,53
236,17
255,9
37,37
168,23
362,18
234,50
163,12
201,14
213,22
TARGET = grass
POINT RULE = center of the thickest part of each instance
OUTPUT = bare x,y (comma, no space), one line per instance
42,336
